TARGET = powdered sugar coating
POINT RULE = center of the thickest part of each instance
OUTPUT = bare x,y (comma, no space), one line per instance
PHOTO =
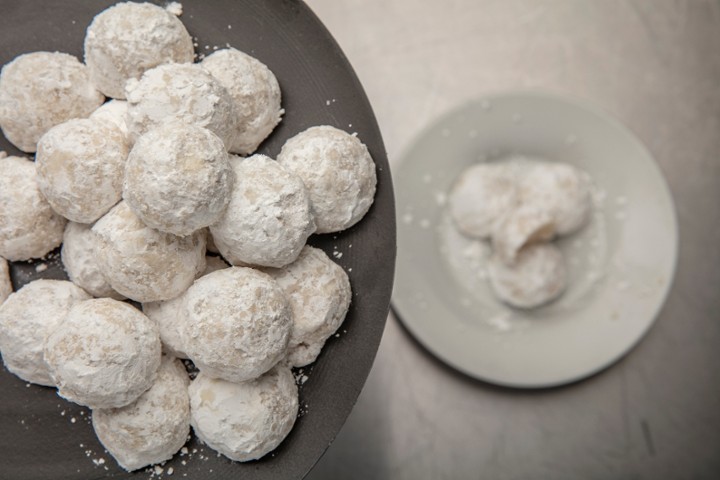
481,196
338,172
29,228
255,93
103,354
537,277
523,225
238,324
152,428
40,90
269,217
562,190
26,318
80,166
319,293
79,259
244,421
115,112
127,39
178,178
170,314
6,287
185,92
145,264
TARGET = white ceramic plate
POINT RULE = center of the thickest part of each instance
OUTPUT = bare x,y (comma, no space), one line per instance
620,267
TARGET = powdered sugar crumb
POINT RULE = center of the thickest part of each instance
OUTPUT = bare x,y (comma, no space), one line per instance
175,8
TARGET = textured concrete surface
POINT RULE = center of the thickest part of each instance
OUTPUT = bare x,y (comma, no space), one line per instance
655,65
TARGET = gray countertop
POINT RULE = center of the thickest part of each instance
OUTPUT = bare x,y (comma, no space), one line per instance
655,65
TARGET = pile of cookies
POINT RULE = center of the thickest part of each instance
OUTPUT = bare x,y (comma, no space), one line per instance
138,189
522,204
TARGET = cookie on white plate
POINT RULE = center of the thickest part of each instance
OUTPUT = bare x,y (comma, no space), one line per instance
537,277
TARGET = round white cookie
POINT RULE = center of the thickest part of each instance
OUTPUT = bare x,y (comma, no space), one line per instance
338,171
481,196
79,257
103,354
129,38
560,189
178,178
154,427
170,314
237,325
29,227
80,166
114,112
269,217
186,92
537,277
255,92
521,226
244,421
145,264
319,293
6,287
40,90
26,318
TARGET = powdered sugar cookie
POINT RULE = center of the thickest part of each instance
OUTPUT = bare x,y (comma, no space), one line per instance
560,189
6,287
29,227
238,324
170,314
319,293
481,196
178,178
129,38
338,172
521,226
152,428
186,92
537,277
103,354
144,264
268,219
80,165
79,258
244,421
26,318
40,90
115,112
255,93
